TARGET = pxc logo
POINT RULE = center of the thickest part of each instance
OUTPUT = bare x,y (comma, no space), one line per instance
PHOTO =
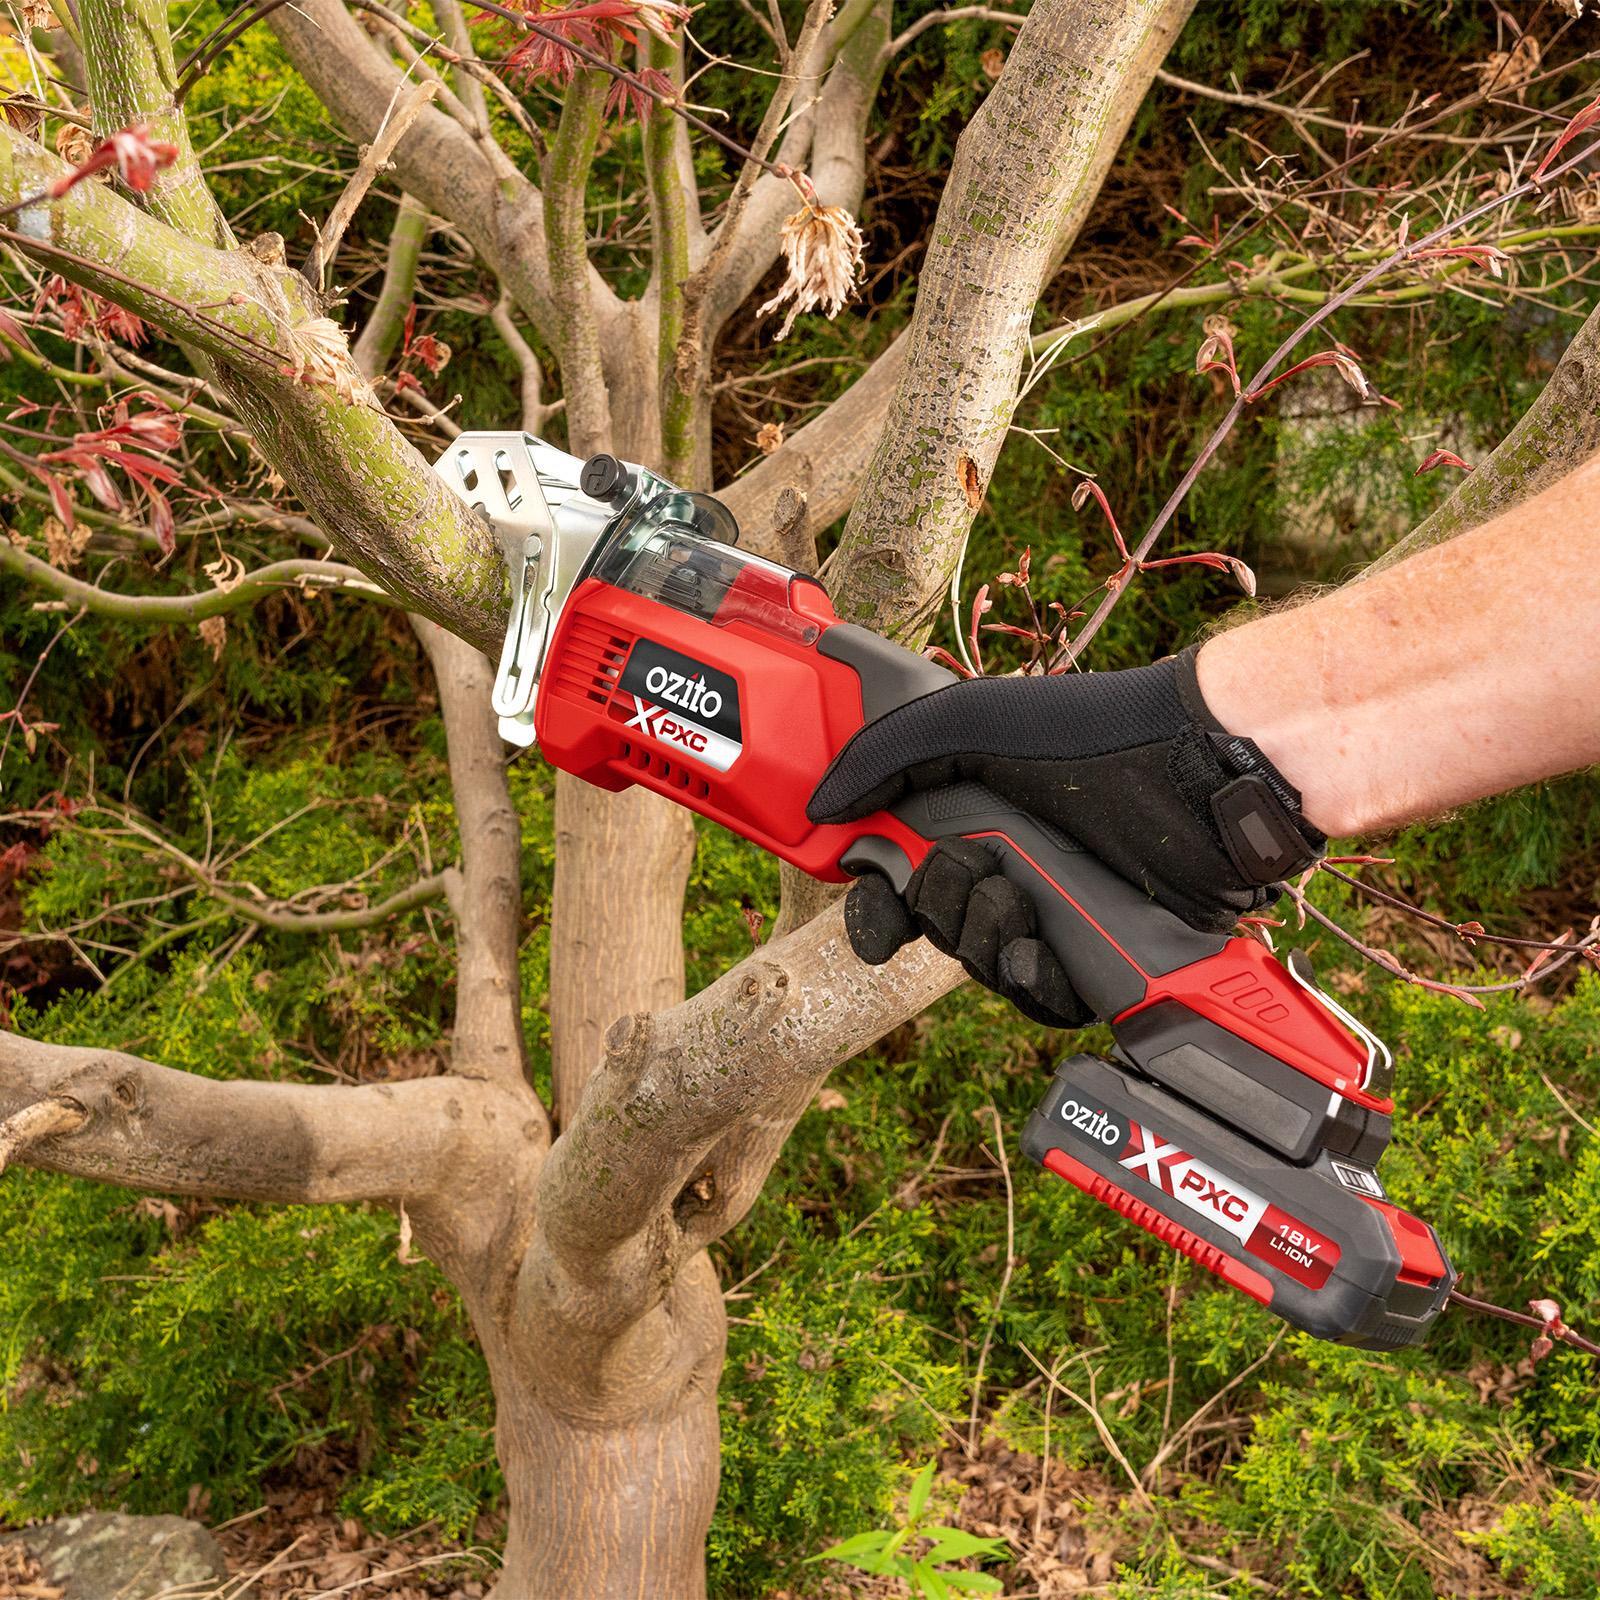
661,724
691,708
1233,1206
1201,1188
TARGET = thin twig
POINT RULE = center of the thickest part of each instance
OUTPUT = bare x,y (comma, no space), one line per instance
670,101
1107,1438
1249,391
397,120
1005,1283
1561,1332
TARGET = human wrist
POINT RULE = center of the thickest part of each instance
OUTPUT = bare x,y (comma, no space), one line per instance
1250,695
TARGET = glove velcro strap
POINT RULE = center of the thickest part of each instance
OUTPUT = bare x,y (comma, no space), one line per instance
1263,840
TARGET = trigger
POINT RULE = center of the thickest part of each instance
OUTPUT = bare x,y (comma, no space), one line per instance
876,854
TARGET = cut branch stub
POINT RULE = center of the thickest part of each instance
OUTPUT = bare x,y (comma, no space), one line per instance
44,1119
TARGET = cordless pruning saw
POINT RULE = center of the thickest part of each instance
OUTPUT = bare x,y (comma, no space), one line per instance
1244,1112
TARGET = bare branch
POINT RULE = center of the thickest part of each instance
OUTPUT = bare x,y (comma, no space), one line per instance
285,919
486,893
829,123
396,122
472,184
146,1126
1075,78
534,411
381,334
1302,114
938,19
44,1119
189,608
707,1092
1558,432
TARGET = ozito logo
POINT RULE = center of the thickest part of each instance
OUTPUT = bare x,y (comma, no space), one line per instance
1095,1124
682,703
691,694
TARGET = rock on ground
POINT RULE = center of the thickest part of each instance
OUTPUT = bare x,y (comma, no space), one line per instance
108,1556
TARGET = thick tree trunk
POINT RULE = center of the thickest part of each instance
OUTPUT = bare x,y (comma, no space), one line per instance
622,861
610,1451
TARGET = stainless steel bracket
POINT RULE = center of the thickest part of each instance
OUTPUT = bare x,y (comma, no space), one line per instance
546,527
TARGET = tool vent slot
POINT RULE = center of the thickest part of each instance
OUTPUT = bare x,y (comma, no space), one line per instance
670,775
590,665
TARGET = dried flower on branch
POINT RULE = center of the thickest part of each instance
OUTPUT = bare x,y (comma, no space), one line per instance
1216,350
322,360
822,246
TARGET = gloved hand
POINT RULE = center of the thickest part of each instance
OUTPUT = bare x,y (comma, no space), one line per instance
1132,765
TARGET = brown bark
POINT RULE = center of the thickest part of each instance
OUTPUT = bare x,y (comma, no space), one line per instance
149,1127
1071,81
486,894
612,1466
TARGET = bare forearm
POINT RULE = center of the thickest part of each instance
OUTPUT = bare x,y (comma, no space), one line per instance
1465,671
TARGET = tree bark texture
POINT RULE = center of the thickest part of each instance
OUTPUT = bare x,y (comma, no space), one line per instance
1023,165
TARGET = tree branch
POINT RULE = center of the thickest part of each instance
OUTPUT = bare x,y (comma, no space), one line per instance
728,1072
146,1126
127,52
669,227
373,349
829,125
188,608
486,896
436,886
1075,76
939,19
402,112
803,63
470,183
577,324
534,411
44,1119
1558,433
281,367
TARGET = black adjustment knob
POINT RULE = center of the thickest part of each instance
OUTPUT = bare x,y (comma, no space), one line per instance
606,479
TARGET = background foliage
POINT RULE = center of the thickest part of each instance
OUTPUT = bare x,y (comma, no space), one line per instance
171,1355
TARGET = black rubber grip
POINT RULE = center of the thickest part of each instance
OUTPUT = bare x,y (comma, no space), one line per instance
1108,935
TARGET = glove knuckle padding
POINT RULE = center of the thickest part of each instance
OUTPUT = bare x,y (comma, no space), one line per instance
1033,980
876,920
941,887
997,913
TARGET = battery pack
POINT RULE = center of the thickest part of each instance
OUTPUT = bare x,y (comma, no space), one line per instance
1318,1242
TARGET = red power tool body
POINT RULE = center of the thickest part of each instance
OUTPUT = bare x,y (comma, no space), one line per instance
1243,1116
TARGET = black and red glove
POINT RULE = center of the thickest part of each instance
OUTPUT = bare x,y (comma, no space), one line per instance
1131,765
